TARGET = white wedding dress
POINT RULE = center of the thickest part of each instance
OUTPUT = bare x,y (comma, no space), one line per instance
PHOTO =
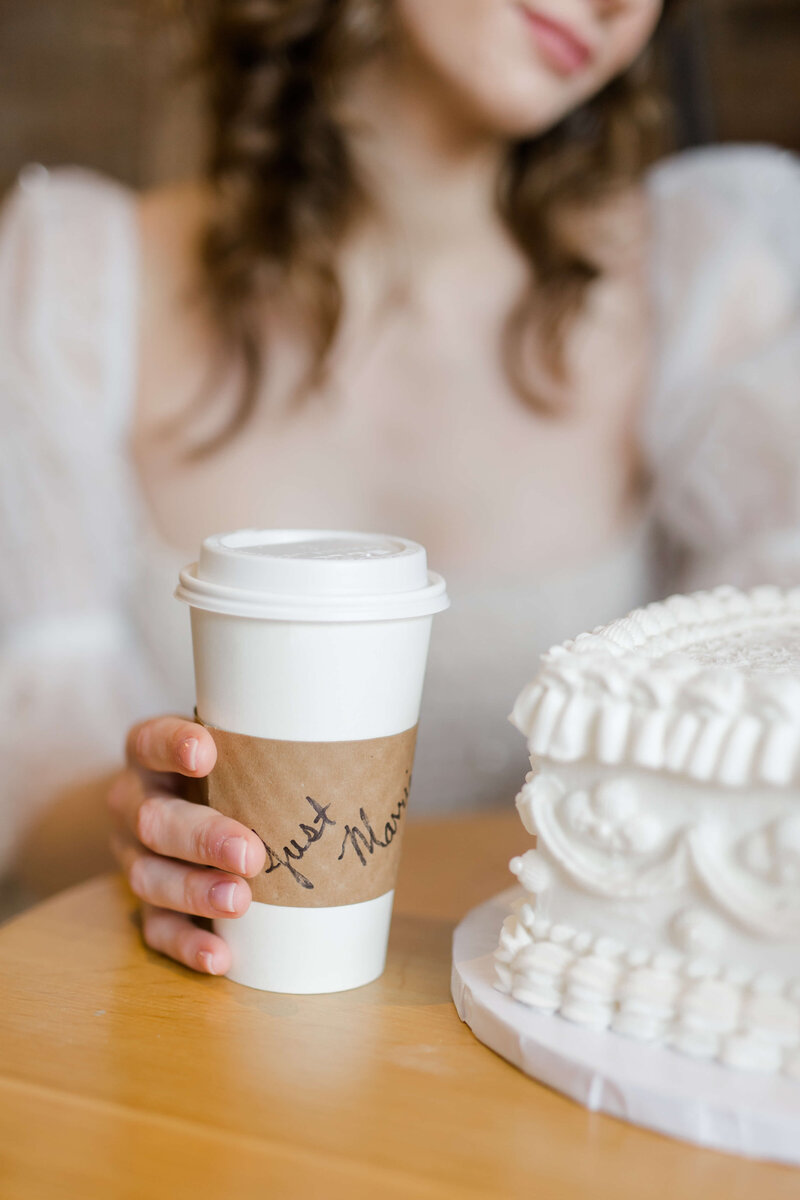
90,636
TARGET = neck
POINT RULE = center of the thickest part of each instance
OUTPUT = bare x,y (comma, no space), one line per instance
430,175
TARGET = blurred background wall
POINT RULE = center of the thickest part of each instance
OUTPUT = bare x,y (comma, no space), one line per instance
753,49
98,83
92,82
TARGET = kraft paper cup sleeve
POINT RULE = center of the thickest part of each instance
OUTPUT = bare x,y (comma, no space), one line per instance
331,815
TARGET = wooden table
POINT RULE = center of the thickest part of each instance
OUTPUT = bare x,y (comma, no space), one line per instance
123,1075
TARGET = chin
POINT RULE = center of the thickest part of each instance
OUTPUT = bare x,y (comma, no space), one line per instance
522,108
503,81
515,120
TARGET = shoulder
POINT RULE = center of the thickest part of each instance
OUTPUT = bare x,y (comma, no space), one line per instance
722,424
67,275
67,191
736,202
77,214
81,215
724,252
740,177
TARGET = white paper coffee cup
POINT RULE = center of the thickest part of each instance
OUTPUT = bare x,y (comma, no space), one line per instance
310,649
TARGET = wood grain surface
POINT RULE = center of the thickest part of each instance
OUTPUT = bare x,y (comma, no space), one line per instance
123,1075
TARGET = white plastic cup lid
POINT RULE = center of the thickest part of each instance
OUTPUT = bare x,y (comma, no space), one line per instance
312,575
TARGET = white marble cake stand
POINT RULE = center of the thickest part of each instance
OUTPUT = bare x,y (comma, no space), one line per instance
737,1111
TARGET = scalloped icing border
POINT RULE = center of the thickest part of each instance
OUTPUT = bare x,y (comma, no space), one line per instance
692,1006
625,695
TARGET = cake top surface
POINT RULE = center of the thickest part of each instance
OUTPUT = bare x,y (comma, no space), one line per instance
706,685
773,649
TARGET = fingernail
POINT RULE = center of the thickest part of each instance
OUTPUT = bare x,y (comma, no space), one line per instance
187,752
234,855
206,960
223,896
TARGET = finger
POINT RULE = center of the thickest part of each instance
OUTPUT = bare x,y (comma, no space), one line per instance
175,935
166,883
171,744
178,829
125,797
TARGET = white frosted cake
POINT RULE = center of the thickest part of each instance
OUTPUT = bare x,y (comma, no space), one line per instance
663,894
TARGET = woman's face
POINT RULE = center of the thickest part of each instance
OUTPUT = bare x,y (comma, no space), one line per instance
518,66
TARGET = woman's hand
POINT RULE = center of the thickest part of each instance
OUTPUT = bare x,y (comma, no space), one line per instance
158,834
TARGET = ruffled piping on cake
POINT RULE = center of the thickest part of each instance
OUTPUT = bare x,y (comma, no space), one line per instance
626,695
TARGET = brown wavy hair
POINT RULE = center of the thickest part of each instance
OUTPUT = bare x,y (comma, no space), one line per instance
286,188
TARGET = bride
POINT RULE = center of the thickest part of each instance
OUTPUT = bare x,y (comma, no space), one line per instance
429,285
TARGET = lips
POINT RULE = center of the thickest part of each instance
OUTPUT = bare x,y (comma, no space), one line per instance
558,44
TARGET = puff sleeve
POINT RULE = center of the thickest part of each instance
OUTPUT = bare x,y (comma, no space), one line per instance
722,431
72,676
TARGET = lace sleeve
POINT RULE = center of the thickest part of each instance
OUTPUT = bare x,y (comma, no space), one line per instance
723,428
70,675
